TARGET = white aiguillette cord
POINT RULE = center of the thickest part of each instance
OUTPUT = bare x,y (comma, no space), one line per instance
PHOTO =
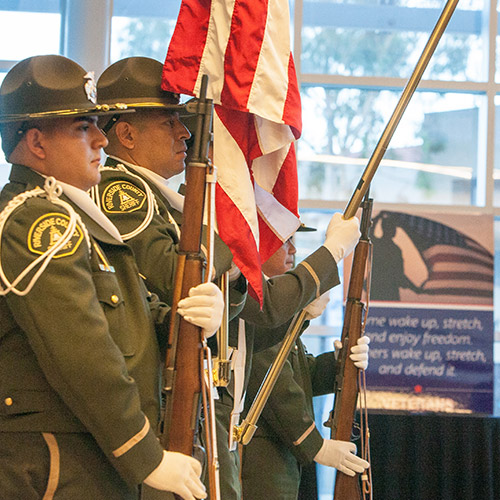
52,190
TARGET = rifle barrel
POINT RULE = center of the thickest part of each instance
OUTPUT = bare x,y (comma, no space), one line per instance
383,143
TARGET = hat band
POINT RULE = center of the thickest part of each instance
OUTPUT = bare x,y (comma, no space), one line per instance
98,109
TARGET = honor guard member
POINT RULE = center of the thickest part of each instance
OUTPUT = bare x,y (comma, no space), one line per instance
144,151
79,377
257,329
279,461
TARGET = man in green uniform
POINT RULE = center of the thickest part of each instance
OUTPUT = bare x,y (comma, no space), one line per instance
145,150
79,375
148,149
279,461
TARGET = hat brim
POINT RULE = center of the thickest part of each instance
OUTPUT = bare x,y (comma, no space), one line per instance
99,110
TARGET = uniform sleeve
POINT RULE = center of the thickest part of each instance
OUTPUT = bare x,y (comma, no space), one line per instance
67,330
286,413
288,293
322,369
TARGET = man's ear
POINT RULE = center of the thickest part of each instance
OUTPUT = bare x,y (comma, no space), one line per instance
126,134
35,142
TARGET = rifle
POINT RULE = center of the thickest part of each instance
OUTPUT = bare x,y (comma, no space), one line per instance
347,385
346,391
186,353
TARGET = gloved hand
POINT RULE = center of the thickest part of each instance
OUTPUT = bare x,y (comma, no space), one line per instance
342,456
317,306
203,307
341,236
359,352
179,474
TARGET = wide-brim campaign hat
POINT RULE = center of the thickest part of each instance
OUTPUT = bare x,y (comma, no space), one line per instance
51,86
136,81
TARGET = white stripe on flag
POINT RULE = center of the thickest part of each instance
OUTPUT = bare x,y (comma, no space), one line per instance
278,218
235,181
212,61
271,135
270,85
267,168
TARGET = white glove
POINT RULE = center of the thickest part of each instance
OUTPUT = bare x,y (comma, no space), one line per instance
179,474
317,306
337,346
341,236
342,456
234,272
203,307
359,353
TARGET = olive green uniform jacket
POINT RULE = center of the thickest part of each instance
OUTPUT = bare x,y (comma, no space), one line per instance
156,243
78,353
286,440
284,295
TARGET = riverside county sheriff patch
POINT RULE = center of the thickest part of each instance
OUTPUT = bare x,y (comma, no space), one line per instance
47,230
121,197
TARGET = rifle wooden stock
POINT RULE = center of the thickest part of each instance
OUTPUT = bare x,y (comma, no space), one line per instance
346,394
183,364
183,409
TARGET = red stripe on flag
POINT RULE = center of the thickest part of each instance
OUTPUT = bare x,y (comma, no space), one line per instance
241,126
292,114
182,63
285,188
237,234
248,26
269,242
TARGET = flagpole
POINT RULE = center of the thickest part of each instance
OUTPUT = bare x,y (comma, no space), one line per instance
383,144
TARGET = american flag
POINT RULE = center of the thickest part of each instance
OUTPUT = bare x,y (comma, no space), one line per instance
244,48
458,266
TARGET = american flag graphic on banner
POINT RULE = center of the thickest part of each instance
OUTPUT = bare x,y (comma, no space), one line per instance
458,266
244,48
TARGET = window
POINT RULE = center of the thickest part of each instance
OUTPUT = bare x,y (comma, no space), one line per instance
428,162
142,28
26,25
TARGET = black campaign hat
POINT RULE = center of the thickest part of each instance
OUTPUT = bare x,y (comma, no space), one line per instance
136,81
50,86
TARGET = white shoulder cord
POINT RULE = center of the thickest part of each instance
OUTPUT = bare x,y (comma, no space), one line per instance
52,191
152,205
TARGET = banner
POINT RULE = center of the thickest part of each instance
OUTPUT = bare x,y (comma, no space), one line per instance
430,317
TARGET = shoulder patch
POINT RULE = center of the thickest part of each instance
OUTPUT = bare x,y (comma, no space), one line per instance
46,231
121,196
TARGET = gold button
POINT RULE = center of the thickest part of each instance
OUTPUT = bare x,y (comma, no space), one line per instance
115,299
8,401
